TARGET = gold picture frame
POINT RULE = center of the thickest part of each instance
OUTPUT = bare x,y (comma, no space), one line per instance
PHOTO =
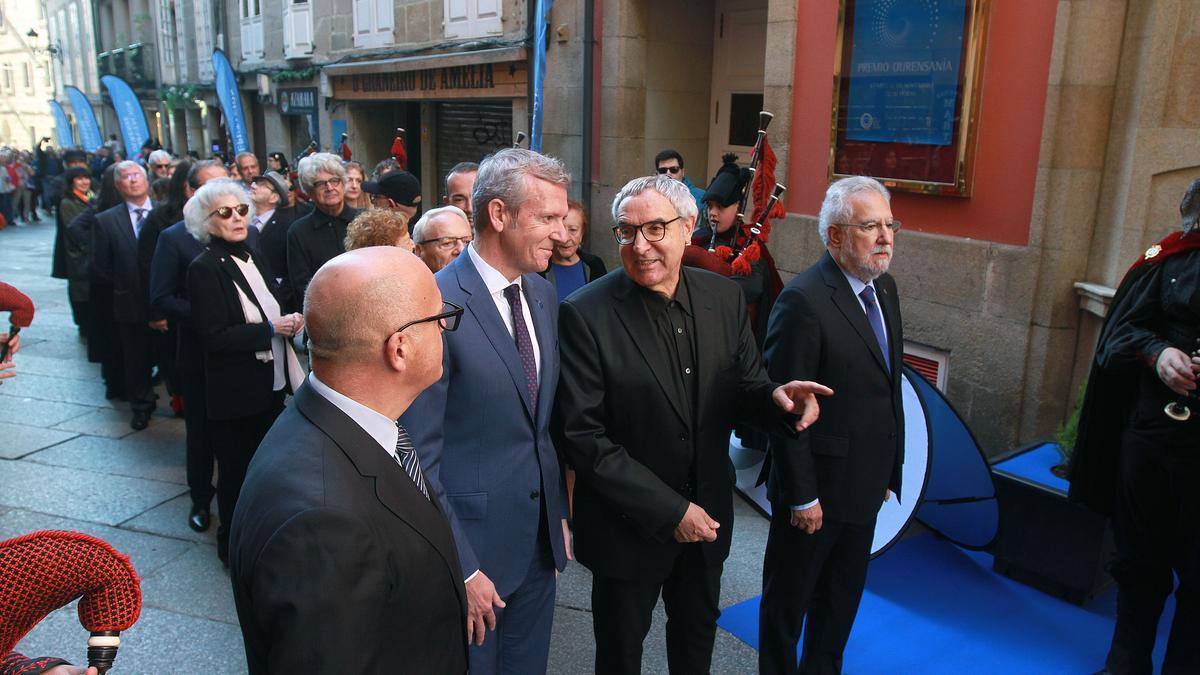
925,168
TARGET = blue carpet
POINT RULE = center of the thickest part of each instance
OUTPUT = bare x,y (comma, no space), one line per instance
931,607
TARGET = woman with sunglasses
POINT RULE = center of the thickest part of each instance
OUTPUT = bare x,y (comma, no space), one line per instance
245,332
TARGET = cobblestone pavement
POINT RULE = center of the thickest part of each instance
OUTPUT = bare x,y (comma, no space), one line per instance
69,461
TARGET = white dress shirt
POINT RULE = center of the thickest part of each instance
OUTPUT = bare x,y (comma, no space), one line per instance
261,218
496,283
377,425
145,206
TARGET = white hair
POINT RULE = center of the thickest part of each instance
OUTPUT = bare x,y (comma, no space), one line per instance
158,157
837,207
129,164
675,192
310,166
197,211
427,218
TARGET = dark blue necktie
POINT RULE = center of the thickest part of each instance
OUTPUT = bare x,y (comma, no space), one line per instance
524,344
875,317
406,456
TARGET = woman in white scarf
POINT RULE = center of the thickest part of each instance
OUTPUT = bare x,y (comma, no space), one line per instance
249,363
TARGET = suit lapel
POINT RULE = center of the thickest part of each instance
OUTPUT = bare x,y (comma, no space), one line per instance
707,348
229,267
543,329
483,308
843,298
393,488
632,312
127,225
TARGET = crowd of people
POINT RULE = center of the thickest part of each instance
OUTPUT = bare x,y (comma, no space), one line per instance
486,402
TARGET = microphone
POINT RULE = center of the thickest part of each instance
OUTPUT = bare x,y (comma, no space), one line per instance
21,314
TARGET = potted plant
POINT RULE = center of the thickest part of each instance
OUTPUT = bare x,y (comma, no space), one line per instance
1046,541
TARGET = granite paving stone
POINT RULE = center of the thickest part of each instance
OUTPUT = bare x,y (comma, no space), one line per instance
109,422
160,643
81,495
17,440
148,552
33,412
77,369
51,388
54,348
156,456
170,519
195,584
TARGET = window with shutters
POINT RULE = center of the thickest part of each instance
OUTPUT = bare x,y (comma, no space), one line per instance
373,23
250,12
297,29
167,38
472,18
27,77
204,41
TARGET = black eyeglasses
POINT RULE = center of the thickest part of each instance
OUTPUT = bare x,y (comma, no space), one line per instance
226,212
654,230
334,182
872,226
448,319
670,169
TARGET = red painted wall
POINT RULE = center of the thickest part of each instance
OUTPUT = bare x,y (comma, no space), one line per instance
1016,69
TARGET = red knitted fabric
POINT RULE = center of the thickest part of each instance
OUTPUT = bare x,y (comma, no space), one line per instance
43,571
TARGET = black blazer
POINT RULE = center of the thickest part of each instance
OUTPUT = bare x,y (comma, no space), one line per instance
854,452
236,383
617,421
339,564
272,241
312,240
115,262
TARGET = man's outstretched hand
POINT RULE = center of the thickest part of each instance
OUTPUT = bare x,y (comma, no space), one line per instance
800,398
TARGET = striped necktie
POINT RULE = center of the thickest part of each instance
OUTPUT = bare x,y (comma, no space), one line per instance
406,457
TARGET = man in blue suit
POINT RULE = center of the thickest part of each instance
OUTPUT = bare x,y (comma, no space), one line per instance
483,430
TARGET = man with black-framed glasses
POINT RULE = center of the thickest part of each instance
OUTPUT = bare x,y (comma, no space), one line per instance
441,235
658,364
320,235
341,556
837,322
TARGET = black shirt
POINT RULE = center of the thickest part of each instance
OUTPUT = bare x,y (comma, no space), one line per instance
675,325
311,242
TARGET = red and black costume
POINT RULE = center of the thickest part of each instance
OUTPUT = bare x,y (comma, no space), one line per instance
1133,461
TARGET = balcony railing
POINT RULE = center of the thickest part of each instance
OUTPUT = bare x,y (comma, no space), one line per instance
135,63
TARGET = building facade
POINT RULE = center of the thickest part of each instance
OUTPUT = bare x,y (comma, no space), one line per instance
27,62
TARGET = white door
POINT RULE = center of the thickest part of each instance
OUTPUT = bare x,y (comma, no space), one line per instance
739,37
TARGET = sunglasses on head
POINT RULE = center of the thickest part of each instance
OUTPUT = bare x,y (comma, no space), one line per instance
670,169
226,212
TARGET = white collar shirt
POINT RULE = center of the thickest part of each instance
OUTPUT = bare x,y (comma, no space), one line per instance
377,425
145,207
856,287
496,283
261,218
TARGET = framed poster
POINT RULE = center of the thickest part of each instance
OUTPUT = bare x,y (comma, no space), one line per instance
906,92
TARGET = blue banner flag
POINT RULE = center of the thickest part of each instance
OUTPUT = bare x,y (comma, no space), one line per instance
90,137
231,102
134,130
541,11
62,126
904,71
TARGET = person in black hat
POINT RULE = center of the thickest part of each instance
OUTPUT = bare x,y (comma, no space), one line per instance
399,191
759,279
269,192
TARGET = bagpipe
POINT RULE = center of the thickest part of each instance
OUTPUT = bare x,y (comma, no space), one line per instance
43,571
21,314
746,244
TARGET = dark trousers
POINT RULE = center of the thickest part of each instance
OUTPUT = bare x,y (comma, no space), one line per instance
234,442
136,362
818,577
199,444
1156,527
521,641
163,345
622,611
